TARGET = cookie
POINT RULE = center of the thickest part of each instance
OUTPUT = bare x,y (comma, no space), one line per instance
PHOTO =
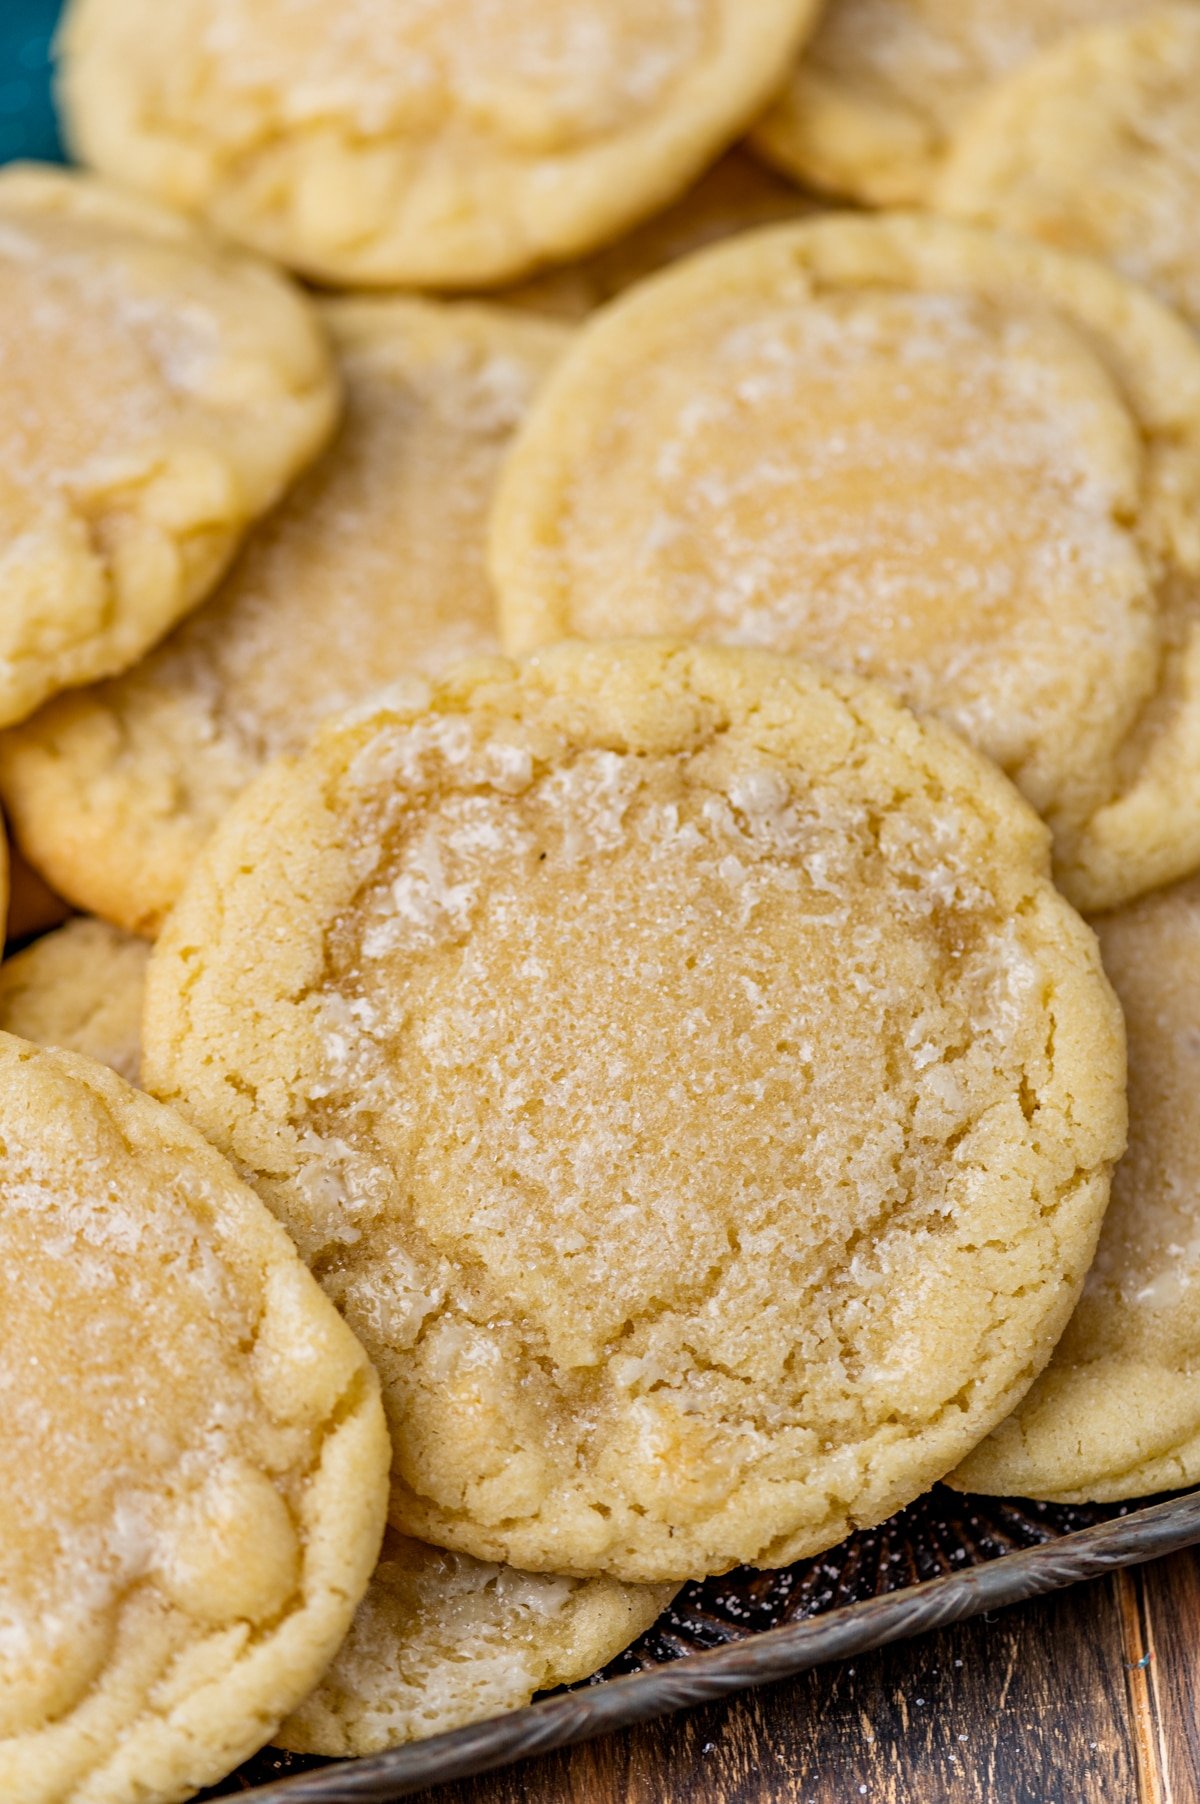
735,195
442,1640
79,989
1116,1414
32,905
448,146
1095,147
677,1066
884,85
915,449
374,566
193,1479
157,393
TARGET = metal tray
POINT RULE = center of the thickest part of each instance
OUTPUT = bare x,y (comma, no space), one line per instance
944,1558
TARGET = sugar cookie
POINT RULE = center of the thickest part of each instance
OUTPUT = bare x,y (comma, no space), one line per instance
883,86
391,142
373,567
1117,1412
157,394
193,1457
80,989
441,1640
965,465
676,1064
1095,147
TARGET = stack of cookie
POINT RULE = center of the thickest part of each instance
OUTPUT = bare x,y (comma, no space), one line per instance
648,1102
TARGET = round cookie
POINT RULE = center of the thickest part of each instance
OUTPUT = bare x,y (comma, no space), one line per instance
735,195
963,464
677,1066
884,85
1095,147
157,393
1117,1412
447,146
194,1458
80,989
373,566
32,905
442,1640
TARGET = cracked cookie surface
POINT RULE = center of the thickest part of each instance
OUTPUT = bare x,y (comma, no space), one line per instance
961,464
158,392
193,1479
441,1640
884,85
390,142
374,565
79,989
677,1065
1096,148
1116,1414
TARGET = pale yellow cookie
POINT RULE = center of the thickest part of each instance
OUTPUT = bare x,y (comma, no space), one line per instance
442,1640
735,195
373,567
379,142
677,1065
966,465
157,394
1096,147
32,905
879,93
79,989
192,1452
1117,1412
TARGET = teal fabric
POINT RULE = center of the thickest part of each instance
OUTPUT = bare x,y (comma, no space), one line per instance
27,123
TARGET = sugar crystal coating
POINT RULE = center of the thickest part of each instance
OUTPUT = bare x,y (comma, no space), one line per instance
441,1640
191,1487
158,392
395,142
915,450
1096,148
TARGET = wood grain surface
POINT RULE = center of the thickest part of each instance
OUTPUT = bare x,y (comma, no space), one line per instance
1091,1696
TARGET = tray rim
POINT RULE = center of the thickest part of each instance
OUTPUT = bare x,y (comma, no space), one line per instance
761,1659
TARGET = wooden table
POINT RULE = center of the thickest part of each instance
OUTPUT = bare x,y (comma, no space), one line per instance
1091,1696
